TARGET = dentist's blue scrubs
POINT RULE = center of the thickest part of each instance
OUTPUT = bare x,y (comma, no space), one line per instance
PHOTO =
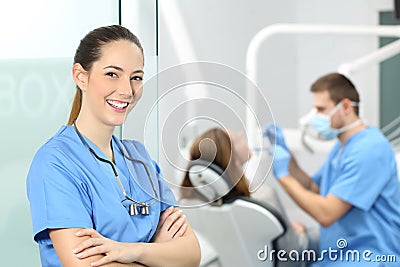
363,173
68,187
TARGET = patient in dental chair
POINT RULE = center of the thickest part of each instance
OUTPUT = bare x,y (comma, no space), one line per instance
229,151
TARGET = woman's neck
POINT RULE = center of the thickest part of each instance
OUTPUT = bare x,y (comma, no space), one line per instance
99,134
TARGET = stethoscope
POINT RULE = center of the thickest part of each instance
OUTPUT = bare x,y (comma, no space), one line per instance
136,205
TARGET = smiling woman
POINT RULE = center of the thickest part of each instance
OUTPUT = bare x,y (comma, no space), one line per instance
97,200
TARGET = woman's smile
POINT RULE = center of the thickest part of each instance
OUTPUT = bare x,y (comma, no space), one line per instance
118,106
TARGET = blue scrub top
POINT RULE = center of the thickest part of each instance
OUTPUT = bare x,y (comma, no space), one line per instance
68,187
363,173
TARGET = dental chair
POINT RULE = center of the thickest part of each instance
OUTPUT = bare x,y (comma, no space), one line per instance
240,231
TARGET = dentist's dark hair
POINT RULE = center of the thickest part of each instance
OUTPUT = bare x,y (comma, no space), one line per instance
89,51
338,86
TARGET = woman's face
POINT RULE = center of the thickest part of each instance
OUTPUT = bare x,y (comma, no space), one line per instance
240,148
114,84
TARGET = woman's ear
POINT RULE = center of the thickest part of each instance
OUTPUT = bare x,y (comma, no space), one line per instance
80,76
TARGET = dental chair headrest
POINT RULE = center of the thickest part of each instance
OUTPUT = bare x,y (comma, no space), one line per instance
209,179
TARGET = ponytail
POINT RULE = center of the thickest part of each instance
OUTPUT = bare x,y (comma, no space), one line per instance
76,106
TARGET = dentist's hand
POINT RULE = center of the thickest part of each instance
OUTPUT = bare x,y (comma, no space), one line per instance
275,135
280,164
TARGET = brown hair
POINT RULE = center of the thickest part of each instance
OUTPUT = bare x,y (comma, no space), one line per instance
89,51
338,86
217,149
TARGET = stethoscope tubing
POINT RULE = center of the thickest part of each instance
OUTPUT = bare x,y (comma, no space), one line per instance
142,204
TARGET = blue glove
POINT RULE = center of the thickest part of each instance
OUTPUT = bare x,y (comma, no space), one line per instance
275,135
280,164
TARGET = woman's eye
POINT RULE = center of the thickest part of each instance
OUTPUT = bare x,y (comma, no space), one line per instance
111,74
137,78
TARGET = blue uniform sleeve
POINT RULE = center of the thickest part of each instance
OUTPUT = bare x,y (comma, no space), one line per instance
58,199
363,173
167,198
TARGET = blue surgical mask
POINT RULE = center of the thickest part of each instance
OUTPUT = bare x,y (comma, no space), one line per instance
322,124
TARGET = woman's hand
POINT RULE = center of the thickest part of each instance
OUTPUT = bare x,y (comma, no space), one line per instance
112,251
172,224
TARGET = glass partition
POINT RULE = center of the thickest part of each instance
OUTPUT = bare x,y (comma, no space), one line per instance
39,39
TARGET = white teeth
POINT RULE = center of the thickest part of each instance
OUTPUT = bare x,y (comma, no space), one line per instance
117,104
